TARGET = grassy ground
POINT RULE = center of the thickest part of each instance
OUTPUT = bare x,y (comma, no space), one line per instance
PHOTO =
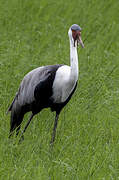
34,33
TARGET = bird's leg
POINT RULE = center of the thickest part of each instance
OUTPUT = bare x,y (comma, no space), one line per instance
17,131
54,129
22,137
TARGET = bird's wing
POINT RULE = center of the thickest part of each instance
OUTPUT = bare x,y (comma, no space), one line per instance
37,83
43,90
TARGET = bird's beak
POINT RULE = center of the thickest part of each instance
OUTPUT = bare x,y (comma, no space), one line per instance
80,41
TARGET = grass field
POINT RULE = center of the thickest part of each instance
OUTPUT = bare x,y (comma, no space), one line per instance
34,33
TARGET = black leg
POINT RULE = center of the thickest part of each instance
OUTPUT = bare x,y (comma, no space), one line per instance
22,137
54,129
17,131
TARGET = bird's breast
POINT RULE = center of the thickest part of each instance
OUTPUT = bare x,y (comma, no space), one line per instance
63,84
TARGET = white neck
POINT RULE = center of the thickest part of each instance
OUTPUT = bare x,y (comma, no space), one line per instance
73,61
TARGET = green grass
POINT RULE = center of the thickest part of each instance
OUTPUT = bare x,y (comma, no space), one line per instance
34,33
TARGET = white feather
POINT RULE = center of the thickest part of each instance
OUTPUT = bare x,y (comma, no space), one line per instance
63,84
66,76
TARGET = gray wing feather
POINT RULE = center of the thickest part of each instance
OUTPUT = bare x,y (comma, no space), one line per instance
25,93
28,84
10,107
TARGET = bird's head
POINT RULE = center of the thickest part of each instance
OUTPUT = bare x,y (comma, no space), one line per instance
75,35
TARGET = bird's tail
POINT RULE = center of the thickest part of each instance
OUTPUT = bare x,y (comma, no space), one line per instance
17,115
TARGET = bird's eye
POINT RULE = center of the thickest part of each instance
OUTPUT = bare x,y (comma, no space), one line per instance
73,31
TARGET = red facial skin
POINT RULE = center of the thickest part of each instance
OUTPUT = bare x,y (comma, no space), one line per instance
76,34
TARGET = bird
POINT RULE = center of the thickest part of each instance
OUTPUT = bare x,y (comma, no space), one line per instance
50,86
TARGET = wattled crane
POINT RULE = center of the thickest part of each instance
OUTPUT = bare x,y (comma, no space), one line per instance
47,86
